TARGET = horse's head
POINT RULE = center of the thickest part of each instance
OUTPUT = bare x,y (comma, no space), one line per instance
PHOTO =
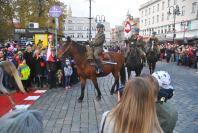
133,52
65,50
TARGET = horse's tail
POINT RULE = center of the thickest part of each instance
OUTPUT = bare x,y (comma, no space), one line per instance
122,75
10,68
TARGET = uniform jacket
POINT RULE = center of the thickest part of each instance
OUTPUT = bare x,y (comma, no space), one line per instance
99,40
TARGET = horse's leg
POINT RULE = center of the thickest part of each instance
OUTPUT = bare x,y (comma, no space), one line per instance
150,67
153,66
94,80
82,83
129,72
137,72
3,89
116,77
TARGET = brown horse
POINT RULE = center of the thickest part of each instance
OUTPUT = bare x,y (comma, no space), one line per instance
12,71
87,71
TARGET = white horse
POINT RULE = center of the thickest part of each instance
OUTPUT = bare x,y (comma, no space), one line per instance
10,68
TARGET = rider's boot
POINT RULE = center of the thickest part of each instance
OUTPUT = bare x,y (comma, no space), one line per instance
98,66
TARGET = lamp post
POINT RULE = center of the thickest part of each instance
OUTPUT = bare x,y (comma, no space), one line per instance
175,11
89,20
184,24
100,19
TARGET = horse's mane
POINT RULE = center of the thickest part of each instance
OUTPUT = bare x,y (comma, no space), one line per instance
134,52
81,48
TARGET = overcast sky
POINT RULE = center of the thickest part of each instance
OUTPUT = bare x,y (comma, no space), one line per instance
114,10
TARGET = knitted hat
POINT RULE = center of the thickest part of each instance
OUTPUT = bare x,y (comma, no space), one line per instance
22,121
166,90
163,79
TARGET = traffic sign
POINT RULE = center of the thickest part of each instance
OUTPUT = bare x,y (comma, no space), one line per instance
55,11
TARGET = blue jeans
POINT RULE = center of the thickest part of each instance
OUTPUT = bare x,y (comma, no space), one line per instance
67,80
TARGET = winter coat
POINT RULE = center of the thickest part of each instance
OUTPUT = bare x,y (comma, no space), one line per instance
167,116
68,70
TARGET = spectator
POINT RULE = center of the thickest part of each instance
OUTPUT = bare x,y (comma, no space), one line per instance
24,73
67,74
2,57
28,55
52,68
74,77
29,121
135,113
166,112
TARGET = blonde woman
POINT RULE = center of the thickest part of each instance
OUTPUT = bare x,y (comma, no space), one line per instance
135,113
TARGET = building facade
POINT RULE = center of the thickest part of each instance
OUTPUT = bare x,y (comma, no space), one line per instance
154,17
78,28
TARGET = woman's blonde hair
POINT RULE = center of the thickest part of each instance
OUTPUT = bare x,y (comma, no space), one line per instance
136,111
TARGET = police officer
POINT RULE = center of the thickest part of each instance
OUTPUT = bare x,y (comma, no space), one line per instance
97,45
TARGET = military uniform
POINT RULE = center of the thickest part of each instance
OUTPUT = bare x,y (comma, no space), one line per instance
97,45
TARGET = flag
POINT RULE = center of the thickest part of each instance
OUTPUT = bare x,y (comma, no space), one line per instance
49,54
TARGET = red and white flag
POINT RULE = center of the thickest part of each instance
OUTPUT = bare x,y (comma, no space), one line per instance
49,54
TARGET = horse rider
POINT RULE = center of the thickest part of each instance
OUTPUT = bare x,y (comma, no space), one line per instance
135,41
97,45
153,44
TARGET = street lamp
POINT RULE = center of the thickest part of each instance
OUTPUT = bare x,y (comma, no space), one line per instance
184,24
175,11
90,20
100,19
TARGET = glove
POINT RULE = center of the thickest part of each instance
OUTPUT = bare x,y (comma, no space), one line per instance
165,94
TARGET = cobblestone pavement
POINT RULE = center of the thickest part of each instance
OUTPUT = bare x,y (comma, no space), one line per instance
63,114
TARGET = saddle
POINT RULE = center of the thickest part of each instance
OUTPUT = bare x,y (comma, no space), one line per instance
104,56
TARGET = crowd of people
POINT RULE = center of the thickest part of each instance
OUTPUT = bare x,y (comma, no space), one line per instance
186,55
35,70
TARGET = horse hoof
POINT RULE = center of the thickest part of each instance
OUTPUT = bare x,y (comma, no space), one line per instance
80,99
98,98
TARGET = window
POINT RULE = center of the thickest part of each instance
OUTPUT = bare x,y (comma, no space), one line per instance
145,12
169,28
142,13
162,17
70,27
149,11
175,2
163,5
157,18
168,3
145,22
183,11
168,16
194,7
69,21
157,7
153,9
80,28
149,21
153,20
189,25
